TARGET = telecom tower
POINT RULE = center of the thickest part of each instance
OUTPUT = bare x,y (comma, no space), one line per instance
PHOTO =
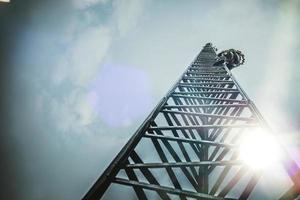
187,146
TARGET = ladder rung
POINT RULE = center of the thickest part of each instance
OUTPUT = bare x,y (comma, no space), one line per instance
183,164
201,83
210,87
212,75
202,61
188,140
166,189
209,92
205,58
207,76
208,115
205,106
200,78
210,81
209,98
211,68
211,72
161,128
219,72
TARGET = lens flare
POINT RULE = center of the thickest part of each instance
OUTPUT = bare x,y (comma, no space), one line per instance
259,150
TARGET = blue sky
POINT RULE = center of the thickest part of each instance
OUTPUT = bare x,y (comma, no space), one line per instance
85,73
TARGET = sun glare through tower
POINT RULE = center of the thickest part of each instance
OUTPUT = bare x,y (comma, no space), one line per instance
259,149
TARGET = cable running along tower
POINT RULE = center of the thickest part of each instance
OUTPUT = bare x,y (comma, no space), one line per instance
187,146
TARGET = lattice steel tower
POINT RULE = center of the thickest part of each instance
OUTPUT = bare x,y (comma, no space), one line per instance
187,146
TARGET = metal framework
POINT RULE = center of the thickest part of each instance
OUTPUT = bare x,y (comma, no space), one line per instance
186,148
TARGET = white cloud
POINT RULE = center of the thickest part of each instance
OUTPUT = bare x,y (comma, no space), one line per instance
86,54
84,110
279,69
71,114
88,46
80,63
127,13
83,4
82,59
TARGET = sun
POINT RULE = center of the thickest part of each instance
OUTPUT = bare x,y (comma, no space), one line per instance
259,150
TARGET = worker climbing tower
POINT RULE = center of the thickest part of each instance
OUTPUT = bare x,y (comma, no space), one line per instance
187,148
